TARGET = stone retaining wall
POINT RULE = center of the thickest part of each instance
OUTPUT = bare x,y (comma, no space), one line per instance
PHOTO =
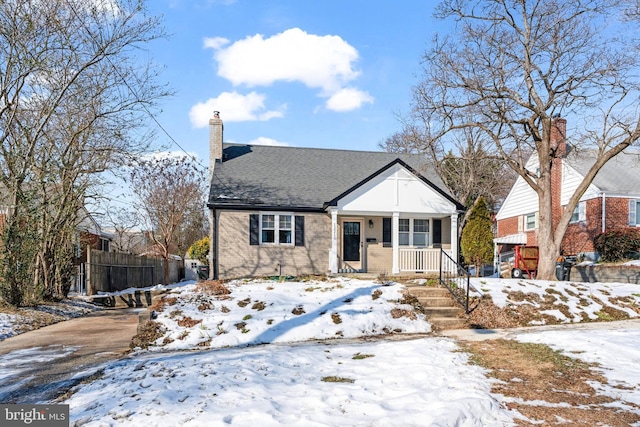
606,273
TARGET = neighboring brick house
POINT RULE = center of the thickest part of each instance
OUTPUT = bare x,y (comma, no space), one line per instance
294,211
611,202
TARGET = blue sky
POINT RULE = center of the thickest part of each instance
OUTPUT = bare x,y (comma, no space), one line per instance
326,74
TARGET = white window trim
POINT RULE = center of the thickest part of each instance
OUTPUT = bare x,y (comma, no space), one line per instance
633,212
525,222
581,207
276,229
411,231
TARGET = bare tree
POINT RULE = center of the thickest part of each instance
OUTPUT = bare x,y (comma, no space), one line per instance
74,96
465,166
170,196
126,225
510,67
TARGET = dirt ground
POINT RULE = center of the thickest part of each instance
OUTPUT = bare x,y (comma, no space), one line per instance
545,386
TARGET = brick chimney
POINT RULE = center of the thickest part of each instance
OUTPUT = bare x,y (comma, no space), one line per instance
558,142
558,137
215,140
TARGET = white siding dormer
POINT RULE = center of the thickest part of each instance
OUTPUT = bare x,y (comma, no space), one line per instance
522,199
396,190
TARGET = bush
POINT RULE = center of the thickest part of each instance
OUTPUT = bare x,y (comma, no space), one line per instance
616,245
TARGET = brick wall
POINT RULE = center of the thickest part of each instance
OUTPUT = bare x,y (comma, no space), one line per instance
617,212
579,235
237,258
507,226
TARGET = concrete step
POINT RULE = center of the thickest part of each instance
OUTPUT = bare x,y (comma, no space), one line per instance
453,312
446,323
436,301
428,291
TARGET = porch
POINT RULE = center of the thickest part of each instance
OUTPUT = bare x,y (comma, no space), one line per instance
406,244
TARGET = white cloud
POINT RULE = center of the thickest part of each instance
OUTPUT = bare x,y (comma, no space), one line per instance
268,141
348,99
324,62
214,42
233,107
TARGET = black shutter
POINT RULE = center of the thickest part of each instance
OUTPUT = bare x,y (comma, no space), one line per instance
254,229
299,230
386,232
437,233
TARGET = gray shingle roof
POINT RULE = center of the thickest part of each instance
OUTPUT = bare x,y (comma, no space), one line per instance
307,178
620,175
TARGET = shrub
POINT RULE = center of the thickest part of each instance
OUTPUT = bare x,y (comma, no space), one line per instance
617,244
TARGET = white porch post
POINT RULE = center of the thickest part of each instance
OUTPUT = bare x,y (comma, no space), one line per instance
333,253
454,236
395,226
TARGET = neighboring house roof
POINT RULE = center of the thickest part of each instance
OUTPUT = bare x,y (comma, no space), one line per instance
302,178
620,175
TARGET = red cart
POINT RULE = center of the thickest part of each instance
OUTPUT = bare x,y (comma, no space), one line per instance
525,261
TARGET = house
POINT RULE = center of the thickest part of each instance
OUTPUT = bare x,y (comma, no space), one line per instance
294,211
611,202
88,234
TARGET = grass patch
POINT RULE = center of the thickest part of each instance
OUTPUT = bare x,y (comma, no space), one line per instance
260,305
147,335
245,302
160,304
336,318
335,379
213,287
360,356
247,317
188,322
298,310
376,294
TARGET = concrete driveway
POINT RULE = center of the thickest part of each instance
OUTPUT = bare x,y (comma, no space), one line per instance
40,365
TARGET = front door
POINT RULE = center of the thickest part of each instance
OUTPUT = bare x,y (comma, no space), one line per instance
351,244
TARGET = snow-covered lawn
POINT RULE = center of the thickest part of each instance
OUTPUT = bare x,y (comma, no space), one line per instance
340,352
259,311
563,302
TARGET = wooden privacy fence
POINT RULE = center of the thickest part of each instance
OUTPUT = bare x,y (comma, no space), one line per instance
115,271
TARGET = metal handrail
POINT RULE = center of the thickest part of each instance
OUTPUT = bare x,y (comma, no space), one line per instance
457,280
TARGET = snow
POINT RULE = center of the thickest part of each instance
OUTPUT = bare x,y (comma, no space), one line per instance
271,312
414,382
579,299
264,355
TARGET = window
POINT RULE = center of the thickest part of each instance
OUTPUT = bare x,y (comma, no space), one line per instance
104,245
403,232
634,212
530,221
420,230
284,229
268,229
580,212
276,228
194,264
413,232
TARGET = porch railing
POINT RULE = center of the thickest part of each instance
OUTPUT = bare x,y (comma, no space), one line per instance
422,260
456,279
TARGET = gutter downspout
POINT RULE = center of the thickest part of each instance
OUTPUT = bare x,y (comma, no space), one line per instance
604,211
